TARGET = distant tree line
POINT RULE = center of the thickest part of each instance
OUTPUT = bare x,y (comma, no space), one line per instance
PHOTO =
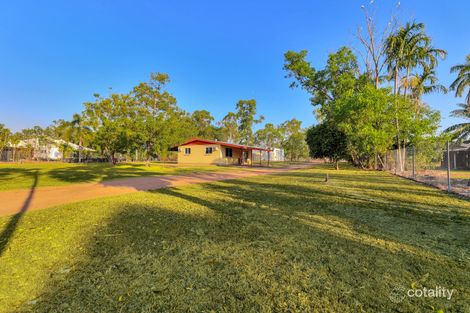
147,121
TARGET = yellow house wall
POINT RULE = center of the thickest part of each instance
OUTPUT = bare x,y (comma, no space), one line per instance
198,155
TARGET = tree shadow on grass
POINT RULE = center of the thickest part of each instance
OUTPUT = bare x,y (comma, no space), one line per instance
105,172
402,226
6,174
244,245
384,181
394,185
236,255
156,260
94,172
9,230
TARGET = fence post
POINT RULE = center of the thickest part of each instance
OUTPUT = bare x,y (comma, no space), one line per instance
413,161
448,167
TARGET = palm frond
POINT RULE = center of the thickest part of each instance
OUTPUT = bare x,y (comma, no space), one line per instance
462,81
459,131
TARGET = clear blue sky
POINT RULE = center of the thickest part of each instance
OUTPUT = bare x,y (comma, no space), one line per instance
55,54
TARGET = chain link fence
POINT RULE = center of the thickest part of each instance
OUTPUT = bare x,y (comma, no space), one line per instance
443,165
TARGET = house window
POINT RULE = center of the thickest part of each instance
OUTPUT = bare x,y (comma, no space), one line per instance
209,150
228,152
187,150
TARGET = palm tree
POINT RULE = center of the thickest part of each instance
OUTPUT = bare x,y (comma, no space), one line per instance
419,52
409,48
462,81
401,50
460,131
63,130
421,84
79,130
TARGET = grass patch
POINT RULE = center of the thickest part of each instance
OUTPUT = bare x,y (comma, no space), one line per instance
286,242
17,176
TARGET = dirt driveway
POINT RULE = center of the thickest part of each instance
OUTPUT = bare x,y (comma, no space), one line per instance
19,201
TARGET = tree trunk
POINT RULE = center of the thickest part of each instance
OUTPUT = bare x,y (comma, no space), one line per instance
112,159
403,159
382,166
79,150
377,74
407,81
395,87
337,165
395,84
147,152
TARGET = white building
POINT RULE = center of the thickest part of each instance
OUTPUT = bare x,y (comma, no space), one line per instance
51,150
275,155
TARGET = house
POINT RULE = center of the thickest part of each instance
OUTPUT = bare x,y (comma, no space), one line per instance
201,151
40,151
35,149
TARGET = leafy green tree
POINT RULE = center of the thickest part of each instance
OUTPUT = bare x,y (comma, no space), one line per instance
325,140
158,113
330,87
229,128
366,119
371,118
293,142
203,122
246,112
79,132
63,130
112,119
269,136
5,135
339,77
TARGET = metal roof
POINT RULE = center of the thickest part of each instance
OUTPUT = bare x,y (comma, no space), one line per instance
225,144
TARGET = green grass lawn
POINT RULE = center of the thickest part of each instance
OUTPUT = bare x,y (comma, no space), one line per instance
17,176
286,243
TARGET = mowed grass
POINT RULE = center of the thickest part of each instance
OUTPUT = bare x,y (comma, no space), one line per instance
285,243
17,176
